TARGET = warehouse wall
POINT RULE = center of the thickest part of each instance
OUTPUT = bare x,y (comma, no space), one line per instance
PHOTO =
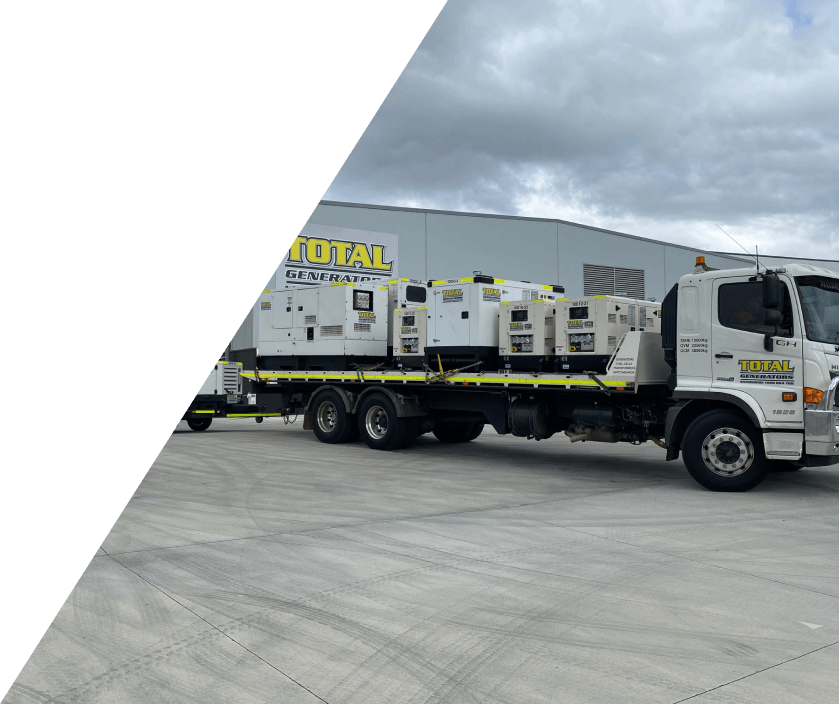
444,245
441,245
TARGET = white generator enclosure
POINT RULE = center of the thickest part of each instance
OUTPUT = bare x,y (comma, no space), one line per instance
410,331
405,293
466,315
527,335
224,379
590,329
307,327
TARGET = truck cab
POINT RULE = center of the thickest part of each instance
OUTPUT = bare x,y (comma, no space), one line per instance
761,346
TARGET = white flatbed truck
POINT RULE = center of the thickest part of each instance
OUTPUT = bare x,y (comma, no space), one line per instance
743,375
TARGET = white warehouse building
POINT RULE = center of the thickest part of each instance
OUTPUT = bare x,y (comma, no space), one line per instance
356,242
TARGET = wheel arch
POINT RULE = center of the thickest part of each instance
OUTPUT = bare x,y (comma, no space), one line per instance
406,406
344,395
690,407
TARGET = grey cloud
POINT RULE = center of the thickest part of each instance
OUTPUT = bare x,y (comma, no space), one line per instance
655,118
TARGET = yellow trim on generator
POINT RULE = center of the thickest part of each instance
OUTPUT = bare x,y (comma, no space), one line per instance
203,411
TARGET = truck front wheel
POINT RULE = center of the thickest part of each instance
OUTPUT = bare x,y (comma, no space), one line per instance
200,424
331,422
724,452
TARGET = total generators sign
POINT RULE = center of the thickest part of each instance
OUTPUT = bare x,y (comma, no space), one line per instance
322,254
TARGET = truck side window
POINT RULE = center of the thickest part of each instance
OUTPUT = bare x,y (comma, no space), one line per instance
741,308
415,294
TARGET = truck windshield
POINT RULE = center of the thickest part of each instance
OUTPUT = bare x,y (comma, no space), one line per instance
820,301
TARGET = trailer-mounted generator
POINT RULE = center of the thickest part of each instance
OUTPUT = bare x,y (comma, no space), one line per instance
410,333
464,329
336,326
404,293
590,328
527,335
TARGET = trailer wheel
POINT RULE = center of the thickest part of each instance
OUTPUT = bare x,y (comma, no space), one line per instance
379,425
724,452
331,422
196,424
458,432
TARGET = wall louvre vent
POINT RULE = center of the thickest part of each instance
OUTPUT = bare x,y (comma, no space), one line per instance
624,320
361,327
613,317
612,341
613,281
331,330
311,320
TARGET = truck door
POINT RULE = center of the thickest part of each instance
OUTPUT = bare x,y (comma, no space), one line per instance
452,312
739,359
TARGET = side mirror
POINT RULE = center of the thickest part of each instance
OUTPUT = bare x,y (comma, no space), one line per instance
772,293
773,318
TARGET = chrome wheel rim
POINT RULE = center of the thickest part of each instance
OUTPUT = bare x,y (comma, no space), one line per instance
728,452
375,421
327,417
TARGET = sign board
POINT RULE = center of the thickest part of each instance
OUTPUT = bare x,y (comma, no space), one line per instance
322,254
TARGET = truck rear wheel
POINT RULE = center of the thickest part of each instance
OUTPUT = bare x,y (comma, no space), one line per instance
199,424
381,428
330,420
724,452
458,432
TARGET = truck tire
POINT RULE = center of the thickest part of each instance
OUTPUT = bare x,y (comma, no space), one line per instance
380,427
412,433
458,432
330,421
199,424
724,452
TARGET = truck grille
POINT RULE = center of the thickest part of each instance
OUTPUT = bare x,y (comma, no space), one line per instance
331,330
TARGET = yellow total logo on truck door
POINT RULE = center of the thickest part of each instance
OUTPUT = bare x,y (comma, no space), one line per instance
765,365
766,371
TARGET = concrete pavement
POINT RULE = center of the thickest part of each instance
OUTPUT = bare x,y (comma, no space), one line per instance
255,564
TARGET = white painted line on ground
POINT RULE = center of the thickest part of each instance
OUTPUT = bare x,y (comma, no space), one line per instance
810,625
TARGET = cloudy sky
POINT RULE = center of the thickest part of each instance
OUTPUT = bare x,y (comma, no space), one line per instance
660,118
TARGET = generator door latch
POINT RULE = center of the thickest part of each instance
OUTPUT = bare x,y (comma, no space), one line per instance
464,314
